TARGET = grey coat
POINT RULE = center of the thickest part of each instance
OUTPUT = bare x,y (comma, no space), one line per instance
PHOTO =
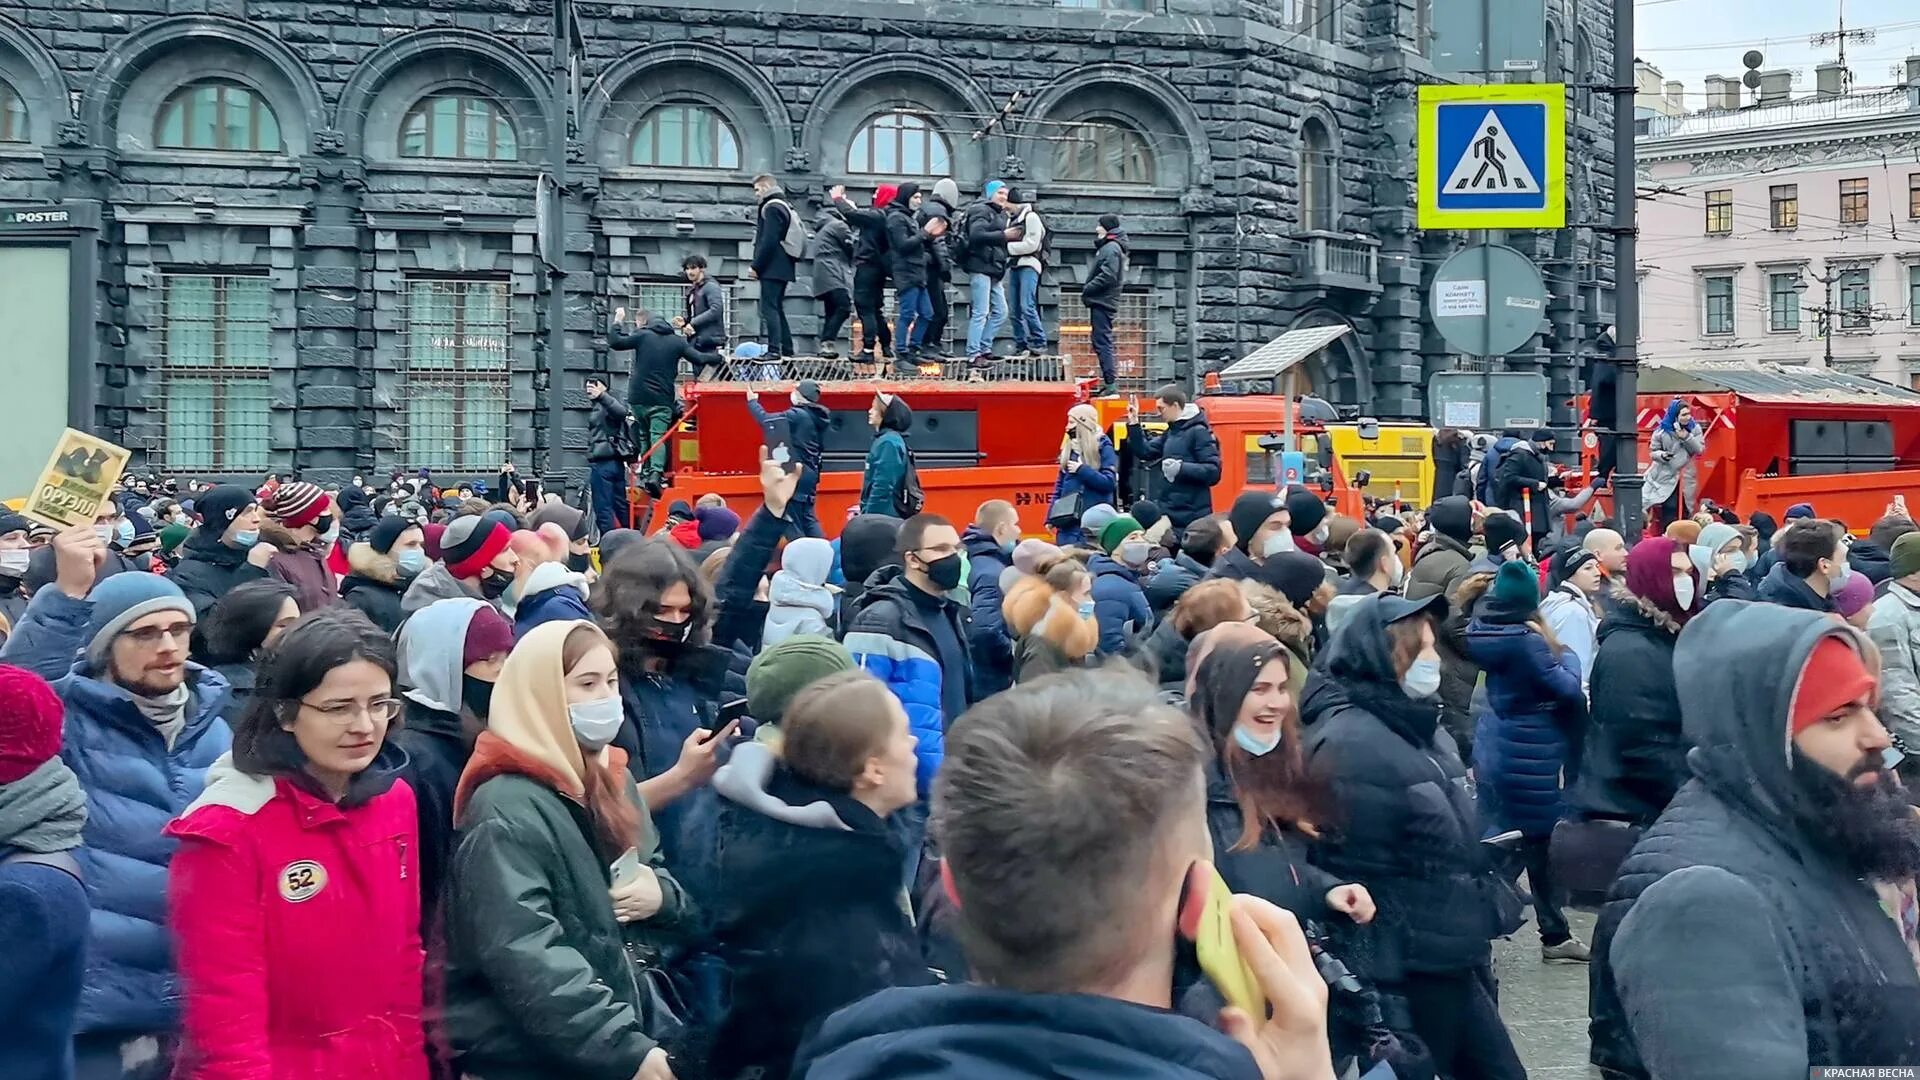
1670,457
831,250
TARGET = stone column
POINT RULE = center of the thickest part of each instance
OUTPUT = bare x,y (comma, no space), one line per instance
334,374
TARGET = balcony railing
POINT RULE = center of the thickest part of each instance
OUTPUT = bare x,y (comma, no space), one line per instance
1337,261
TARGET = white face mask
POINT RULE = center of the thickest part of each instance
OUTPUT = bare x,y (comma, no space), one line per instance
105,533
14,561
1396,573
1422,680
332,533
595,723
1276,544
1320,534
1841,573
1683,593
1253,744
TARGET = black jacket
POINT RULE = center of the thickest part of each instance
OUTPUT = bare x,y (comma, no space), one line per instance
906,249
870,233
1787,589
1732,586
1191,441
1449,468
707,314
606,418
209,569
657,351
989,642
1522,481
1276,868
807,425
1869,558
437,752
1736,941
810,914
983,246
1403,822
1634,757
375,586
1107,276
770,259
1176,575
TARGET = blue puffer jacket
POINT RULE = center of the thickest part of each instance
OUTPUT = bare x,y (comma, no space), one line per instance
1119,603
1094,482
889,638
134,786
1536,699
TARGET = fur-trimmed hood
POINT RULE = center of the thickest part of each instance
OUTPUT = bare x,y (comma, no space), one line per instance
1624,599
364,561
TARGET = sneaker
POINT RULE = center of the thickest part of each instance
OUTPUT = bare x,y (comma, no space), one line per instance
982,360
1107,390
828,351
654,487
1570,951
931,352
905,369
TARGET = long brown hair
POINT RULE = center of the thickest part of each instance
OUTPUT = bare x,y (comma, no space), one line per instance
1275,789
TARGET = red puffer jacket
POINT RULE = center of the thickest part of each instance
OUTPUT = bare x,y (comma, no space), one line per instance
298,928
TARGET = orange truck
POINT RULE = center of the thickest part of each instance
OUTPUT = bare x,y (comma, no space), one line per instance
1783,434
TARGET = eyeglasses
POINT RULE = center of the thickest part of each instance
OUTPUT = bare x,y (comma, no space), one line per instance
341,713
149,636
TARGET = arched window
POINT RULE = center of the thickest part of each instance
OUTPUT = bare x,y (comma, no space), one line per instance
899,144
217,115
1103,152
685,136
1556,68
13,115
462,127
1583,71
1318,177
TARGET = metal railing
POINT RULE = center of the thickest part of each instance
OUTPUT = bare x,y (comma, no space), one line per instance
1333,256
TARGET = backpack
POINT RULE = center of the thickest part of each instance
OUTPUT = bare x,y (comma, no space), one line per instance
909,498
794,241
1045,254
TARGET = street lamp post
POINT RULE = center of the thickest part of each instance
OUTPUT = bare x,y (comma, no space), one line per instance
1825,310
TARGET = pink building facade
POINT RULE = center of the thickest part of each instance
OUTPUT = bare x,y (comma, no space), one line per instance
1760,226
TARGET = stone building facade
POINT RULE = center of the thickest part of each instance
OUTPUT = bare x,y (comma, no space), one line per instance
315,227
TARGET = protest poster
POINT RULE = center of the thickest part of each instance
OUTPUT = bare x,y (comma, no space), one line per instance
77,481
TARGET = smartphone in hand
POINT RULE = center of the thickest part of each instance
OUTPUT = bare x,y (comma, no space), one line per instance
780,443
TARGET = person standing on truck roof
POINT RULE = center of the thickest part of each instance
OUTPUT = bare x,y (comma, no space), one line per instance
657,352
1673,482
1188,454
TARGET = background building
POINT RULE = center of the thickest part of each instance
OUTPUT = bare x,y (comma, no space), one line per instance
1755,201
309,235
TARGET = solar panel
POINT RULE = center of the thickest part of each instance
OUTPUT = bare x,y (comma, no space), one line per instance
1276,357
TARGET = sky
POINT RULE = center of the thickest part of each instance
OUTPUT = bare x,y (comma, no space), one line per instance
1692,39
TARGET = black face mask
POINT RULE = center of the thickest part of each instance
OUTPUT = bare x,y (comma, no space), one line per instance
579,561
477,694
494,585
945,573
665,638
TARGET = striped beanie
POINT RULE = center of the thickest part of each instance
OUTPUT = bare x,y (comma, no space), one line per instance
297,504
470,543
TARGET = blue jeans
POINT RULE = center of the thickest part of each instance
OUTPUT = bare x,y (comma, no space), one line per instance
986,313
1028,331
915,310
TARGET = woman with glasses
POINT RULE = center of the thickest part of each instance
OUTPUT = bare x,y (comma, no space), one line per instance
558,905
292,897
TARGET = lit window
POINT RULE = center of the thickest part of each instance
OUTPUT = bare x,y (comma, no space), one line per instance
215,345
217,116
1103,152
458,127
1783,206
1719,305
1853,202
13,115
682,136
899,144
457,340
1913,195
1720,212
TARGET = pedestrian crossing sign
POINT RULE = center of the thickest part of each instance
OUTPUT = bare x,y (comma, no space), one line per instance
1493,157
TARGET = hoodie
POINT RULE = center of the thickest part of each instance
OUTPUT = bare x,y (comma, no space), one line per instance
799,600
551,592
811,915
1729,889
1108,274
907,258
434,733
831,250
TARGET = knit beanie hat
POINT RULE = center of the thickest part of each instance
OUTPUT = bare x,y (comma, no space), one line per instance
1029,555
1502,529
1514,595
470,543
1685,531
173,536
11,522
716,522
571,518
1906,555
1293,574
1834,676
488,632
30,719
1251,509
614,542
779,673
1096,517
123,599
297,504
221,505
1307,510
1452,517
386,531
808,390
1857,593
431,534
1147,513
1117,530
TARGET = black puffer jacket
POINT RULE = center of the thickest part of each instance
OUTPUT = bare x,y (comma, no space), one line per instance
1275,868
983,244
770,259
1635,756
375,587
1189,440
907,258
1403,822
1869,558
870,229
606,418
1735,942
209,569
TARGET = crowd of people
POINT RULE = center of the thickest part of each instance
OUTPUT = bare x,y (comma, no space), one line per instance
419,782
918,241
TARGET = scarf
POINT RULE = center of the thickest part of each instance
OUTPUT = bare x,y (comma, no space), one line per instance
43,811
168,712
